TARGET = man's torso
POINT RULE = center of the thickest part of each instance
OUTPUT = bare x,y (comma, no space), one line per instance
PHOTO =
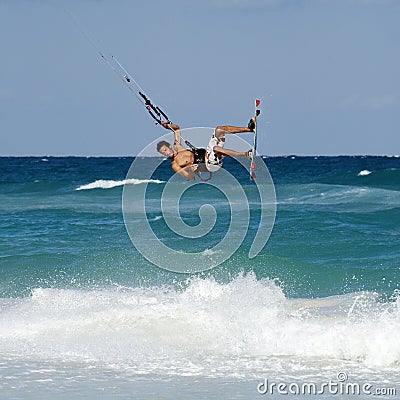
183,158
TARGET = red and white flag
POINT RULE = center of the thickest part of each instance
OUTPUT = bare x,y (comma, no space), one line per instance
258,103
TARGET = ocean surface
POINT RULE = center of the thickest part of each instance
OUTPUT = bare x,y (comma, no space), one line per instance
84,315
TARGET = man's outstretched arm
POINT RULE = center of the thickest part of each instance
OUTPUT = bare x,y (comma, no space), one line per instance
177,134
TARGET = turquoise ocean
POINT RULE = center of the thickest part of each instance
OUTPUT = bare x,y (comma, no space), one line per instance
84,315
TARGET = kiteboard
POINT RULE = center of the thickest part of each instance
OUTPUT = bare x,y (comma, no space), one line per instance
254,148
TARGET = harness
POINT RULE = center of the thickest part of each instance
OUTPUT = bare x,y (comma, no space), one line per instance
200,160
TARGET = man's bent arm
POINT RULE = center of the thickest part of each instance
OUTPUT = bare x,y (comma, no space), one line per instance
187,172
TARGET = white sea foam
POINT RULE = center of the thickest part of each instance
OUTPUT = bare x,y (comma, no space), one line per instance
108,184
347,197
240,329
364,172
156,218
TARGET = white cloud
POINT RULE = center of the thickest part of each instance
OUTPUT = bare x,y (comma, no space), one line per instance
374,102
375,2
250,3
283,3
360,2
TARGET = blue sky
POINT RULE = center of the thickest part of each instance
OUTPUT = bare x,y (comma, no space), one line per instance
327,71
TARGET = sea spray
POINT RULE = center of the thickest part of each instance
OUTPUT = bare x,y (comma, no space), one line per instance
207,329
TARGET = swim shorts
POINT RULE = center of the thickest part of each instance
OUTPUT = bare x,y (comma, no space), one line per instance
212,158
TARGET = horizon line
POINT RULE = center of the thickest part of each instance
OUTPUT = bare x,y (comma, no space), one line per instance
134,156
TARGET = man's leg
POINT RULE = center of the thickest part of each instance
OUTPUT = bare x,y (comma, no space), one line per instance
221,130
215,149
231,153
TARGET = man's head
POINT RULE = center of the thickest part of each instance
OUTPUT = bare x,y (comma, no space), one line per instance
165,148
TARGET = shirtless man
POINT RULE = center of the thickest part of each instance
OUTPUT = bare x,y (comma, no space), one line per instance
186,162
